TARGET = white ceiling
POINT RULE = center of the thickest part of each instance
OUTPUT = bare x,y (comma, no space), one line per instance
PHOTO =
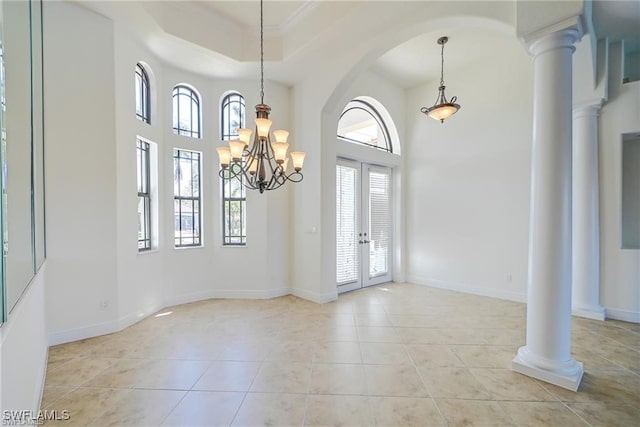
215,29
278,15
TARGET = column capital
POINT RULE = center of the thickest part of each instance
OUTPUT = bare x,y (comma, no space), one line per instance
561,34
559,39
587,108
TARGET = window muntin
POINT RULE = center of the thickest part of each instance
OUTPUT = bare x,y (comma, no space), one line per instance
143,100
186,112
361,123
144,195
187,202
234,196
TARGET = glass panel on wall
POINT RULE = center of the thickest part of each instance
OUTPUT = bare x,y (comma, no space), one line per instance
19,153
22,148
630,208
37,117
3,180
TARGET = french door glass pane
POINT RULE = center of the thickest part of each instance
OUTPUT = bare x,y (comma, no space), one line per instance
347,262
379,223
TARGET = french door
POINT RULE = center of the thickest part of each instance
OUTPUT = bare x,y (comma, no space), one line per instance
363,225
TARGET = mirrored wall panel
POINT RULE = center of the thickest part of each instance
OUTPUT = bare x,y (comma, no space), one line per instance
23,147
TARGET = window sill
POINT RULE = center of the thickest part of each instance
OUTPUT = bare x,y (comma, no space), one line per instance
149,251
182,248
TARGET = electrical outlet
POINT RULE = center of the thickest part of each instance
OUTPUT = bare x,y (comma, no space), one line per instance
104,305
509,278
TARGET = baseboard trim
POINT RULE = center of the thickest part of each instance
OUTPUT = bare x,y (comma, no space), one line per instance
469,289
594,313
227,294
117,325
624,315
91,331
315,296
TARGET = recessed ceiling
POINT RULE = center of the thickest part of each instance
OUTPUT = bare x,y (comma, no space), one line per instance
224,36
278,15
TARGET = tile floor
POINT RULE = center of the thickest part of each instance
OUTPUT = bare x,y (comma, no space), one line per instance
395,354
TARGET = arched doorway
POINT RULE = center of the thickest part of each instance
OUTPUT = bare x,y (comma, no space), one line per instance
364,195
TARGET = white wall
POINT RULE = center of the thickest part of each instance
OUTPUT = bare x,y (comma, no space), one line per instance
322,91
215,270
468,180
91,181
80,158
140,276
23,350
620,268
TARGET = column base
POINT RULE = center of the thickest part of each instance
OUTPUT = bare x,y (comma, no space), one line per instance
563,374
595,312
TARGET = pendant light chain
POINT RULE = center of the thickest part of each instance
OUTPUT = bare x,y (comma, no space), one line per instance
442,65
261,55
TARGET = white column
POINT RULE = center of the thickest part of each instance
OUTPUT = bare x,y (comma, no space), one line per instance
585,274
547,353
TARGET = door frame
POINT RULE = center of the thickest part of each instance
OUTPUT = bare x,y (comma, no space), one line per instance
362,222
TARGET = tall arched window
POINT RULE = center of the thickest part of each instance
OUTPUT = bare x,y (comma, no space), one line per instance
234,194
143,102
186,112
233,110
361,123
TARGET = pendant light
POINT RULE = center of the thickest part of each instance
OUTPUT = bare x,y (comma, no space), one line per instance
442,109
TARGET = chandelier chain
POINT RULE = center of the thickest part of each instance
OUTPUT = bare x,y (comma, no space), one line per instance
260,165
261,55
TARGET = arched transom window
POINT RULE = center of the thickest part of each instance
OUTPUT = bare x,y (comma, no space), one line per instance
361,123
142,94
233,115
186,112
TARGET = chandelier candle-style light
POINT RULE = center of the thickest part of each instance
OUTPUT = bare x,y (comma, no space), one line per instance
261,165
442,109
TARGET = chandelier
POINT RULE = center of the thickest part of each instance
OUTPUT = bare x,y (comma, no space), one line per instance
442,109
262,164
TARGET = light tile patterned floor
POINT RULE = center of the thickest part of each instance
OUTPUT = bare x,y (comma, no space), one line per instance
395,354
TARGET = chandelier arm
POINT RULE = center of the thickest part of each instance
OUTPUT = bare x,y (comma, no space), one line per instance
276,181
258,168
294,176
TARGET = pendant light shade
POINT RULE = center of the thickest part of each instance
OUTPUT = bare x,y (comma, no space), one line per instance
442,109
